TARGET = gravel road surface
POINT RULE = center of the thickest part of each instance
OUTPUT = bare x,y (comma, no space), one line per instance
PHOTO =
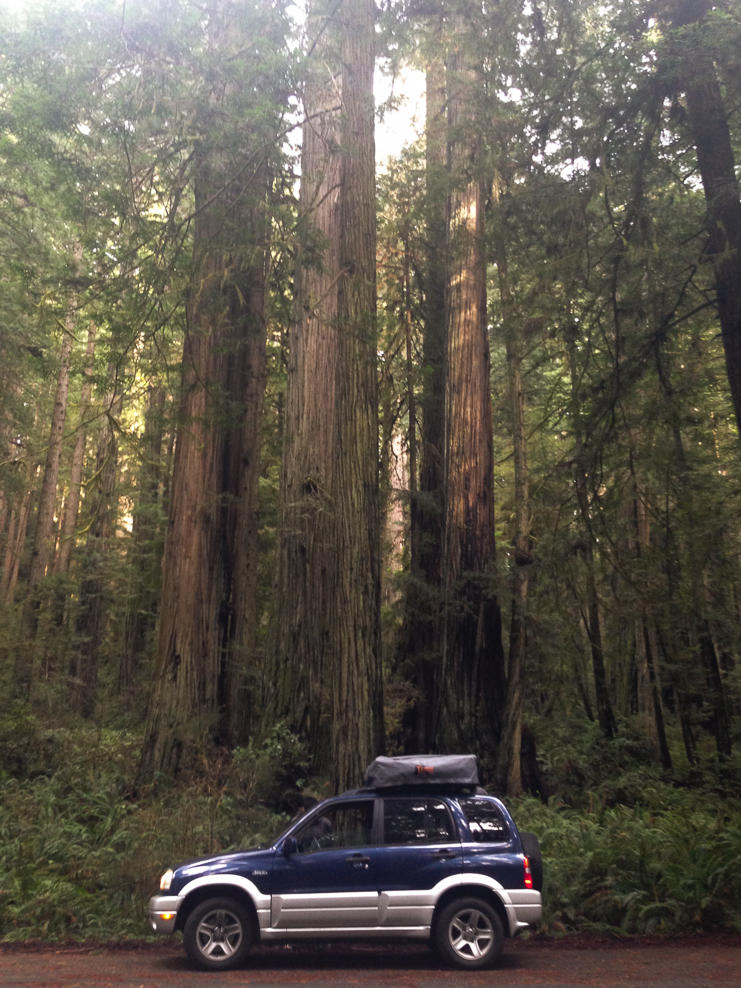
686,963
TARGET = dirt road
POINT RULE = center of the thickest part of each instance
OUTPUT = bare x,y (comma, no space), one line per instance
675,964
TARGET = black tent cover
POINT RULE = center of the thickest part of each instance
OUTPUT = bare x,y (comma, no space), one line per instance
406,770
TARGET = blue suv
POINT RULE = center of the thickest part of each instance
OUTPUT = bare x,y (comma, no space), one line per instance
418,860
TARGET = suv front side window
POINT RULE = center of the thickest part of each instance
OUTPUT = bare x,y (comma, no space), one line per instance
417,821
342,825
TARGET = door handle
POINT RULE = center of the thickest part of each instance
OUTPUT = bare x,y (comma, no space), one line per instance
444,855
358,860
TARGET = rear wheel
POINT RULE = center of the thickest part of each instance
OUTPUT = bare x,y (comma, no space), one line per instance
468,934
218,934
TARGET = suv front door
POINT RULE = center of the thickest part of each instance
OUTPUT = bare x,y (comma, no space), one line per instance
330,883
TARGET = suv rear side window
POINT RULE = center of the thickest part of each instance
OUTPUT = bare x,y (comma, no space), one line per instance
417,821
485,821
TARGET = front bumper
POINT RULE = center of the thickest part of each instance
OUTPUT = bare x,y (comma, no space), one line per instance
163,912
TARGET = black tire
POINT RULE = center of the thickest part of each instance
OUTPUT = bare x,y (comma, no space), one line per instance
468,934
531,848
218,934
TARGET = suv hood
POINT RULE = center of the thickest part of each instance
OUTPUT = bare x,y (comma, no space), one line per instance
220,862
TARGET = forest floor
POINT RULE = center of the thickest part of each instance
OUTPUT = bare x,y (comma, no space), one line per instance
653,962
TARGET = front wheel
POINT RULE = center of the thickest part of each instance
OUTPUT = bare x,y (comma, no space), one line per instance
468,934
218,934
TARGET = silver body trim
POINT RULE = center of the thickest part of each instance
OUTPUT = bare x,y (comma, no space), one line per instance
387,915
349,933
327,910
163,904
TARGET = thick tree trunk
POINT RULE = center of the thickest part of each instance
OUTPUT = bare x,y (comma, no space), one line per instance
473,680
709,124
248,379
43,534
354,625
205,628
303,676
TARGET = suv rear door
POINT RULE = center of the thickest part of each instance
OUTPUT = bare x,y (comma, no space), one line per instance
489,848
419,847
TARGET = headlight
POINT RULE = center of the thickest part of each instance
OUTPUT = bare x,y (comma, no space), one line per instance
166,880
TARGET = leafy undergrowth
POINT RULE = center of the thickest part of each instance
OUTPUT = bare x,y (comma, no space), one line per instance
81,851
631,848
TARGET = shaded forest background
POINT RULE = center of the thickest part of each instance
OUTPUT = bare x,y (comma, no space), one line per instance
304,461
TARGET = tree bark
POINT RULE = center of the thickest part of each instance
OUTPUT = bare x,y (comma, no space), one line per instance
17,528
303,676
72,504
508,772
709,124
145,553
473,680
591,617
26,650
420,650
206,619
354,626
90,620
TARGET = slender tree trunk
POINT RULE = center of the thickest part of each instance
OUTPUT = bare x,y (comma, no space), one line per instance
473,679
591,617
90,621
72,504
354,626
641,539
721,725
68,524
666,758
26,651
16,540
508,770
303,675
420,649
697,628
145,554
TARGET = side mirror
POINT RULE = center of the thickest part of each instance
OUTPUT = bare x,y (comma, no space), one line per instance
290,846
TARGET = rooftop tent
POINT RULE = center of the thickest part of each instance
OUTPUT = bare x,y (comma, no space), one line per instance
406,770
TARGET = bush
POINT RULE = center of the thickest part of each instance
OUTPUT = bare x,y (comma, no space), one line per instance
674,868
81,853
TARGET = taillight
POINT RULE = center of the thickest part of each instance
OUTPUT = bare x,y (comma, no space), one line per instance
528,873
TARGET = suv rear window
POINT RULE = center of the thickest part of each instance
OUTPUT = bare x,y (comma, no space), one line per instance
486,823
417,821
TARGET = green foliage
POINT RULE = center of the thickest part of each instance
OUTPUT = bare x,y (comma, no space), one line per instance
81,851
670,867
